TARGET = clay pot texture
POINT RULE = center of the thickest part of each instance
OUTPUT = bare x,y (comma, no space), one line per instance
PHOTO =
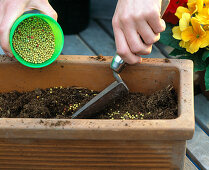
94,143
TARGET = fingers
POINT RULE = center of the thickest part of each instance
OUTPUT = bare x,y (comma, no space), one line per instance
145,31
122,47
137,46
155,22
9,15
44,7
10,10
48,10
1,12
135,28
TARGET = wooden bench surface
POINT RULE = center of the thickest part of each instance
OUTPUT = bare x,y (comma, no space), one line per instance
98,39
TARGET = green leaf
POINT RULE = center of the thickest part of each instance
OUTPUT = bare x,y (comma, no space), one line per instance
205,55
199,64
176,52
166,37
207,79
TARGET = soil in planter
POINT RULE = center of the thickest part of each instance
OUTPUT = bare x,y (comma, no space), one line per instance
61,102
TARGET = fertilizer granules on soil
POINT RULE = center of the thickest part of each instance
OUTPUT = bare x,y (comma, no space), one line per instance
61,102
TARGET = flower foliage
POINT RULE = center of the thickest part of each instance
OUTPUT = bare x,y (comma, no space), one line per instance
189,36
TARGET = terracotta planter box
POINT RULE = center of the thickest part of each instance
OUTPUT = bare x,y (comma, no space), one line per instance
93,143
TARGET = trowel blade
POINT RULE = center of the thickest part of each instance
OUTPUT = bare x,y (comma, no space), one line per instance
101,100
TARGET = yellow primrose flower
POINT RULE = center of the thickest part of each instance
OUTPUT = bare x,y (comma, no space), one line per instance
196,35
183,24
203,16
184,21
176,32
185,45
181,10
195,5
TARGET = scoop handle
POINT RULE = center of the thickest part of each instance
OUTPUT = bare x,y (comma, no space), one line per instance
117,63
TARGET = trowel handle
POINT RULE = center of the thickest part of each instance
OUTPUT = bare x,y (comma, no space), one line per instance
164,6
118,64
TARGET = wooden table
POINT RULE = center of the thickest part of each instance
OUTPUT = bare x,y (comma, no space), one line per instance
98,39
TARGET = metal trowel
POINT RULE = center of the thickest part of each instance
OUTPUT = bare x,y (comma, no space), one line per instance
113,91
105,97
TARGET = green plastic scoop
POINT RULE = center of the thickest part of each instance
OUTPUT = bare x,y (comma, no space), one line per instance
58,35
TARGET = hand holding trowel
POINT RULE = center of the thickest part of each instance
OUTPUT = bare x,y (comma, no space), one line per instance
113,91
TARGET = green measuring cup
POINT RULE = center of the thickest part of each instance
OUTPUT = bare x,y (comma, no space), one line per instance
58,35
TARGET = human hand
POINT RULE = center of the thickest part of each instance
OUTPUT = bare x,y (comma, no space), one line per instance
10,10
136,25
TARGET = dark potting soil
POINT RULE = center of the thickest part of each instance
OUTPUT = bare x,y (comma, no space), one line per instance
61,102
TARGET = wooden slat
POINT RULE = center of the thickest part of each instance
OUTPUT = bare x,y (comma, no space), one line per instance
165,49
198,148
155,53
202,111
93,154
98,39
107,25
75,46
103,8
188,165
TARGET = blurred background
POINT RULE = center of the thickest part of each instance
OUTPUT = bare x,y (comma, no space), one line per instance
74,15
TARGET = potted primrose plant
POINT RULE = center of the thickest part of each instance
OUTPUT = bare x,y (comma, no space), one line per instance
188,33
